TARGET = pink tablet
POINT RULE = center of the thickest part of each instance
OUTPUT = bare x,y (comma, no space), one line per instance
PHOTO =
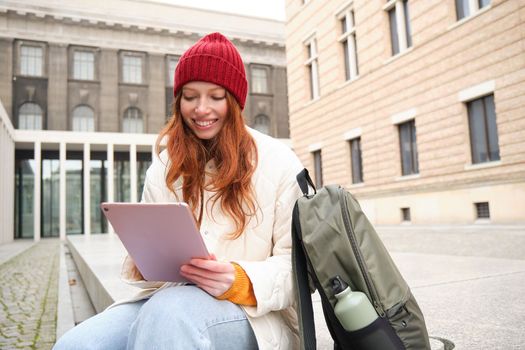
160,237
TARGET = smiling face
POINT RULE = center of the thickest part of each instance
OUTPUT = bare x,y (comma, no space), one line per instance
204,108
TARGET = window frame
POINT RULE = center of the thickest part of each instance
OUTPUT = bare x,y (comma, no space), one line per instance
357,174
19,44
402,25
312,67
482,208
170,74
266,71
19,114
406,215
317,158
137,55
475,158
348,41
259,116
413,168
73,117
140,116
472,6
83,49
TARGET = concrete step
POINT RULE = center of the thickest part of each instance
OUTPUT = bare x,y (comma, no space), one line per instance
99,257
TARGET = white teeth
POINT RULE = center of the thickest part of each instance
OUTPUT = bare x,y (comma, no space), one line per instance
204,123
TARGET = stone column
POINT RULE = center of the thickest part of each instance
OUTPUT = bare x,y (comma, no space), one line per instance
6,75
108,68
157,93
57,113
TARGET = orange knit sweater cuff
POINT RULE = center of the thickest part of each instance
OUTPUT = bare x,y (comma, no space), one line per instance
241,292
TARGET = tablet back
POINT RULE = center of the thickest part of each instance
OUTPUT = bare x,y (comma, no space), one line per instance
160,237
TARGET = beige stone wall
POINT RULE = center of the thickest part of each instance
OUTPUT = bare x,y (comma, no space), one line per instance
447,57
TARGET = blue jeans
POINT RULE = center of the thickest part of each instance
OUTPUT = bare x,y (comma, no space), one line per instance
183,317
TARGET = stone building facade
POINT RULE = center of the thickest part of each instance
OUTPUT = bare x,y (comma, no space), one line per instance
116,58
85,87
417,107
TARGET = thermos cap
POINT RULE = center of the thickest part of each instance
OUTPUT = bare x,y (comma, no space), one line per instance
338,285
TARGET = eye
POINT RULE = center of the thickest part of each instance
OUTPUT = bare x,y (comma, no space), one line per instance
218,98
188,98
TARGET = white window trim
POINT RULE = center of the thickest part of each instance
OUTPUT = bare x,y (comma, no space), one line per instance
311,45
477,91
405,116
352,134
408,177
400,19
351,44
477,166
468,18
314,147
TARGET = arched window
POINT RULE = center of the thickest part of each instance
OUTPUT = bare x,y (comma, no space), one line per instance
262,124
132,121
83,119
30,116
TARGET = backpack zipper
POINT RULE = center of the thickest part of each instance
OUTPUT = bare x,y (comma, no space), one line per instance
359,257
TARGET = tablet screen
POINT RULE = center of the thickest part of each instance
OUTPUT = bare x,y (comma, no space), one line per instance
160,237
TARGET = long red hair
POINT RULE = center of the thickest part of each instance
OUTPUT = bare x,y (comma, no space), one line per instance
235,155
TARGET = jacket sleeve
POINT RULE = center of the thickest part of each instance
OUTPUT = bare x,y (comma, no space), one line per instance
272,278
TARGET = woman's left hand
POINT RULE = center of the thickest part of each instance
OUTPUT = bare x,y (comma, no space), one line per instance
214,277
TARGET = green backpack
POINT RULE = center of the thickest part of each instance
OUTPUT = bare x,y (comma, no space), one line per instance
333,237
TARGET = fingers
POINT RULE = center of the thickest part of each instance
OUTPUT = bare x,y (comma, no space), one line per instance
192,270
212,265
214,277
213,284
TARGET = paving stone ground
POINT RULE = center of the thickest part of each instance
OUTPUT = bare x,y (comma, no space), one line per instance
28,297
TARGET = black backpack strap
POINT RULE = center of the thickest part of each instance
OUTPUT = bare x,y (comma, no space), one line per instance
304,179
300,272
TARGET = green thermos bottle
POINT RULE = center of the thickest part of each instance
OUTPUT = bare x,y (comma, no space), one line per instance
353,309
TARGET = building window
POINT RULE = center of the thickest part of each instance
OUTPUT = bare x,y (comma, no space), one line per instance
132,69
84,65
483,130
405,214
348,40
172,65
259,80
466,8
312,66
408,148
262,124
357,164
318,169
400,32
83,119
30,116
31,60
132,122
482,210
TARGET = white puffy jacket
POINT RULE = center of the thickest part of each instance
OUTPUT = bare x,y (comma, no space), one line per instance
263,250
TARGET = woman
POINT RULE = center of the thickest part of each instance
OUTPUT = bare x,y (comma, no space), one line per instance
240,185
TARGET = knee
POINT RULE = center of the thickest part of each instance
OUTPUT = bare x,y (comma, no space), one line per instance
176,301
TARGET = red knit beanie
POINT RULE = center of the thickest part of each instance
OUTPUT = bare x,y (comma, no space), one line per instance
213,59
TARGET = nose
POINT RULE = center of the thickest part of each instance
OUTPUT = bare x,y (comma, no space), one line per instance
202,107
